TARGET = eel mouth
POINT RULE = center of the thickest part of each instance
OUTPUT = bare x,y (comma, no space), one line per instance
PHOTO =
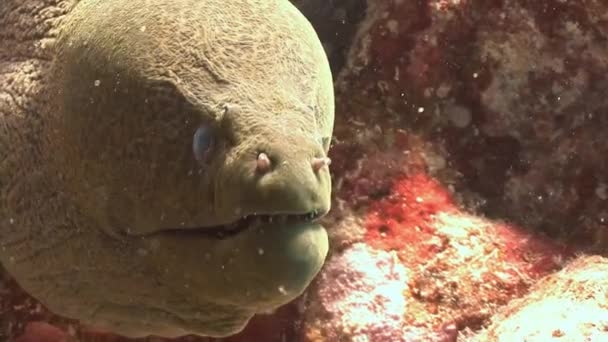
248,222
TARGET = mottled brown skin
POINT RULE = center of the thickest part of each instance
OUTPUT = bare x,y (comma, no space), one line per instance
105,212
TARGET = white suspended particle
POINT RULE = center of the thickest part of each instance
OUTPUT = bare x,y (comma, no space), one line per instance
420,109
282,290
143,28
261,251
97,83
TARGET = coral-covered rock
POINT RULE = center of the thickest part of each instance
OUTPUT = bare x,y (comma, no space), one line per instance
452,111
567,306
361,292
506,98
423,269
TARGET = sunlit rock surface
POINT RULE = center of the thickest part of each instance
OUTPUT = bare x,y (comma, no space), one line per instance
571,302
362,293
469,162
455,269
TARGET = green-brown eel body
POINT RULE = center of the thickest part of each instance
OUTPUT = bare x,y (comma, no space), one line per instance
173,181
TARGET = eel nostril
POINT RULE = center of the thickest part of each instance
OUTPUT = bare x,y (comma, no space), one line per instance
319,163
263,163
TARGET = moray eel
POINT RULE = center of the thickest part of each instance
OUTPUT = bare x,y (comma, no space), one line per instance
175,177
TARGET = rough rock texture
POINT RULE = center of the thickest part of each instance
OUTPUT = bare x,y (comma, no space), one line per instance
463,129
424,270
368,300
466,131
567,306
502,101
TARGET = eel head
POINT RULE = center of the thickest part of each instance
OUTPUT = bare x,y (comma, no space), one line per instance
192,137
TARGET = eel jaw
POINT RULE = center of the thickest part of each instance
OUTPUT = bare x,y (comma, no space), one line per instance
247,222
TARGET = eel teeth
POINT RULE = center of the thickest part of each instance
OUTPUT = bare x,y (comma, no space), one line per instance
255,219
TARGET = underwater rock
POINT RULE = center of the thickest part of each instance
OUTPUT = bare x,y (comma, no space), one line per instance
455,142
569,305
507,99
361,290
446,270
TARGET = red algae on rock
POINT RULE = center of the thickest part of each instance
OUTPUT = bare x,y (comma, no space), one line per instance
403,220
456,269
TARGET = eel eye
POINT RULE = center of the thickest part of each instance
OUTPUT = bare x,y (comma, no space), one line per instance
202,143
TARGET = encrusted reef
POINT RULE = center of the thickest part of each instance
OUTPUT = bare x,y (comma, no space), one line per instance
469,160
470,146
506,99
573,301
